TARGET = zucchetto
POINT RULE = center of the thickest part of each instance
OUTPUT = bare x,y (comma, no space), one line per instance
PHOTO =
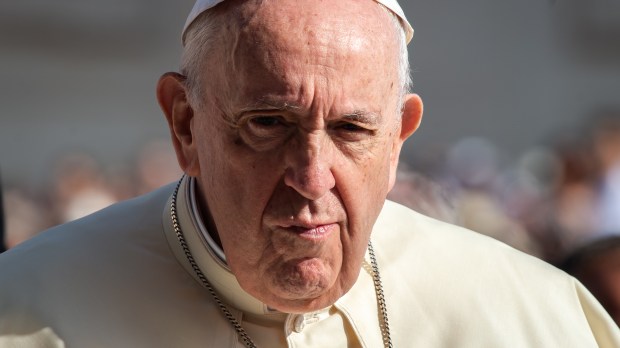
392,5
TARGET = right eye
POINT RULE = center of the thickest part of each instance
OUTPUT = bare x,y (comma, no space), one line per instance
267,127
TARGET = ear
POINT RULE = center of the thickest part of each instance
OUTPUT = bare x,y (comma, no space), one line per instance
409,123
172,97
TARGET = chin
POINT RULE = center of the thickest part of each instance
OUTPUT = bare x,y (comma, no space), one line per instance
300,295
300,306
303,279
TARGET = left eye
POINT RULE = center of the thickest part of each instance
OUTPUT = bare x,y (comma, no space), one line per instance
266,121
351,127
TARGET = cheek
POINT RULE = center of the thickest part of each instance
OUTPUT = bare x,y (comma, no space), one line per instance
380,181
378,172
394,151
231,167
238,186
364,189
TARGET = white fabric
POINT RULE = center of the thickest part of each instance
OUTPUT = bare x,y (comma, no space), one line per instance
264,325
119,278
44,338
203,5
195,213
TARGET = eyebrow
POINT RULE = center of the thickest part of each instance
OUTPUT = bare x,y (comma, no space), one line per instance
268,104
362,116
358,115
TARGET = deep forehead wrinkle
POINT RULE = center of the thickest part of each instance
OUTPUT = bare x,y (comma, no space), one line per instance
265,103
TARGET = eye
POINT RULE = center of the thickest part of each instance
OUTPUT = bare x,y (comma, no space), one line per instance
265,127
350,127
266,121
352,131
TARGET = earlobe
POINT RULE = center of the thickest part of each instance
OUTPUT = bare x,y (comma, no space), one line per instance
172,97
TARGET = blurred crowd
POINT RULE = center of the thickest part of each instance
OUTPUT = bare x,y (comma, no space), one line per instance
548,202
80,185
558,201
552,200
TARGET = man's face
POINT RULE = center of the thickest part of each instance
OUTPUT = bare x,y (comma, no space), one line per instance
296,140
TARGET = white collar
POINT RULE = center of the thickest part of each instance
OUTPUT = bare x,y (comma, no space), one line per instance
214,268
354,304
195,214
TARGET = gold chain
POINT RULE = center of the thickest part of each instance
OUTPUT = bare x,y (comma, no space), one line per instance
385,329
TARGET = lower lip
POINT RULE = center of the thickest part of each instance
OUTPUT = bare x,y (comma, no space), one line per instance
317,233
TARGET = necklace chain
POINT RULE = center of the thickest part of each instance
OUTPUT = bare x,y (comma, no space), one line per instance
376,278
385,328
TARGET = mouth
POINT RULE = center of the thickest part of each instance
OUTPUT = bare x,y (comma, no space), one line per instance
312,233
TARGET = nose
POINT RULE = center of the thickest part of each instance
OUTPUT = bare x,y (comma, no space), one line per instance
309,168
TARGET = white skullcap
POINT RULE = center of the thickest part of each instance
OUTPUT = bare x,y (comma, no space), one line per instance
203,5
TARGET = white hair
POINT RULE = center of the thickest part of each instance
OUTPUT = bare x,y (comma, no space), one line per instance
404,70
201,35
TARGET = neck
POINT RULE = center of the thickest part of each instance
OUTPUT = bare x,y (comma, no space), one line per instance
202,208
208,256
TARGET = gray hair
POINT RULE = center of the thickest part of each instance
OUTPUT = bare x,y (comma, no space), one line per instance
201,35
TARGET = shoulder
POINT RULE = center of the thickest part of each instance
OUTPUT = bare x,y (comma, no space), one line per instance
66,265
407,239
399,228
116,221
82,241
454,278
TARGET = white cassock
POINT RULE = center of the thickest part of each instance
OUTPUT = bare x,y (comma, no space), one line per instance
119,278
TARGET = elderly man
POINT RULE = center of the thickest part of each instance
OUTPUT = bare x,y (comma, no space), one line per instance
288,117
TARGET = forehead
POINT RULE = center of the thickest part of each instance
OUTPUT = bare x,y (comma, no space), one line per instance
287,42
315,21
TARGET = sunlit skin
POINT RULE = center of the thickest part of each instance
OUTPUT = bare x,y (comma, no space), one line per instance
296,142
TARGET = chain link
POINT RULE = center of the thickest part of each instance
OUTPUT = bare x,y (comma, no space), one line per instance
385,329
376,277
177,229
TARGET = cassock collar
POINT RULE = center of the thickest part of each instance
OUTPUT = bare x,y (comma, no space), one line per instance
211,264
358,305
190,194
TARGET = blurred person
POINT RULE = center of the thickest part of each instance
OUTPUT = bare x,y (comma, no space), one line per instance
156,166
287,118
525,193
587,199
474,164
79,187
575,211
121,181
597,266
25,217
423,195
606,145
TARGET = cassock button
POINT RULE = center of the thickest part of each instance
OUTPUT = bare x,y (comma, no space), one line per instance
299,323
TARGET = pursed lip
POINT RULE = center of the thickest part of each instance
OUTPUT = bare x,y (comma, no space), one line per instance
314,232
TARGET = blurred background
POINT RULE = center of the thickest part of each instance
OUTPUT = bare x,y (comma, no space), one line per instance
520,139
